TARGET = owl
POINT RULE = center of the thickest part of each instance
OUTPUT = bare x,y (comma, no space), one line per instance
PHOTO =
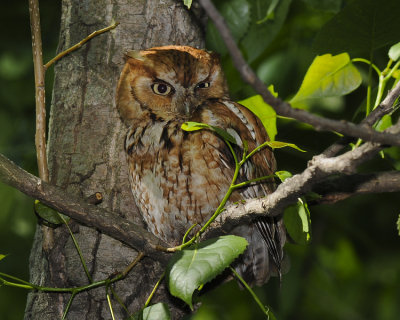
179,178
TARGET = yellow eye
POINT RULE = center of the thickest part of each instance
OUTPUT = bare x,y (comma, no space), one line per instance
161,88
203,85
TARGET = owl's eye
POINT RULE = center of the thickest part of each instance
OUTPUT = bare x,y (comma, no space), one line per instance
161,88
203,85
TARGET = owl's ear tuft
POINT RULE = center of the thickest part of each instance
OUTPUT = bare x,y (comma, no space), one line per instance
135,54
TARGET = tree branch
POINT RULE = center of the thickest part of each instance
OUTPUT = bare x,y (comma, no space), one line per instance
288,192
312,179
40,136
283,108
340,188
106,222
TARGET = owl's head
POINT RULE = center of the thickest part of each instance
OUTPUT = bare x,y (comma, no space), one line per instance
170,81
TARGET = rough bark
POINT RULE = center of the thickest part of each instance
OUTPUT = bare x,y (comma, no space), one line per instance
85,152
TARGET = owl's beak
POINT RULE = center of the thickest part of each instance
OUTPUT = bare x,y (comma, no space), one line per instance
186,105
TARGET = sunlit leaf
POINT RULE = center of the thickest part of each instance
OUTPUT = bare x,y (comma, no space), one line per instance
396,74
298,222
394,52
280,144
2,256
328,76
384,123
187,3
283,175
195,126
191,268
264,112
48,215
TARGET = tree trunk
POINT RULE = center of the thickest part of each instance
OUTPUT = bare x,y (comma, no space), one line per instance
85,153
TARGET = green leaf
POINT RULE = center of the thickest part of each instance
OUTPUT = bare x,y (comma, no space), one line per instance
2,256
237,16
298,222
362,27
50,217
384,123
187,3
194,126
394,52
191,268
280,144
158,311
328,76
264,112
283,175
260,36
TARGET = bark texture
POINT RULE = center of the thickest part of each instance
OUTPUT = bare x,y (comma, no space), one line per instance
85,153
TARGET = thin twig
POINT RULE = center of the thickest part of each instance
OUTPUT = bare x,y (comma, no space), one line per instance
40,136
79,44
139,257
283,108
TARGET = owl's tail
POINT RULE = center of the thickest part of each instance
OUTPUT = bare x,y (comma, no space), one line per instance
264,256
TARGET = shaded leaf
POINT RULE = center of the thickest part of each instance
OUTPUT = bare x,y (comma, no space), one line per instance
325,5
191,268
270,15
264,112
328,76
49,216
394,52
362,27
237,16
195,126
158,311
260,36
298,222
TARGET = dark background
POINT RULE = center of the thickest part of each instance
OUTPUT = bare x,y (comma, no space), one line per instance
350,270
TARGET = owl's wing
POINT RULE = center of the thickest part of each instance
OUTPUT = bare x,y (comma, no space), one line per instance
266,235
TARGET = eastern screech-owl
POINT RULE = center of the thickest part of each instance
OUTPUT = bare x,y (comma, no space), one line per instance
179,178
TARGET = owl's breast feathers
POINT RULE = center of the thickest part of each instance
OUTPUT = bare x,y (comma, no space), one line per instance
179,178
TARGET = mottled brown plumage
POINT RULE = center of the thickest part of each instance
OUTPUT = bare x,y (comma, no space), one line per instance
179,178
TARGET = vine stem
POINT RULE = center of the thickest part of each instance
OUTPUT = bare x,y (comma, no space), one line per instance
154,291
74,290
383,79
368,63
77,247
256,299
